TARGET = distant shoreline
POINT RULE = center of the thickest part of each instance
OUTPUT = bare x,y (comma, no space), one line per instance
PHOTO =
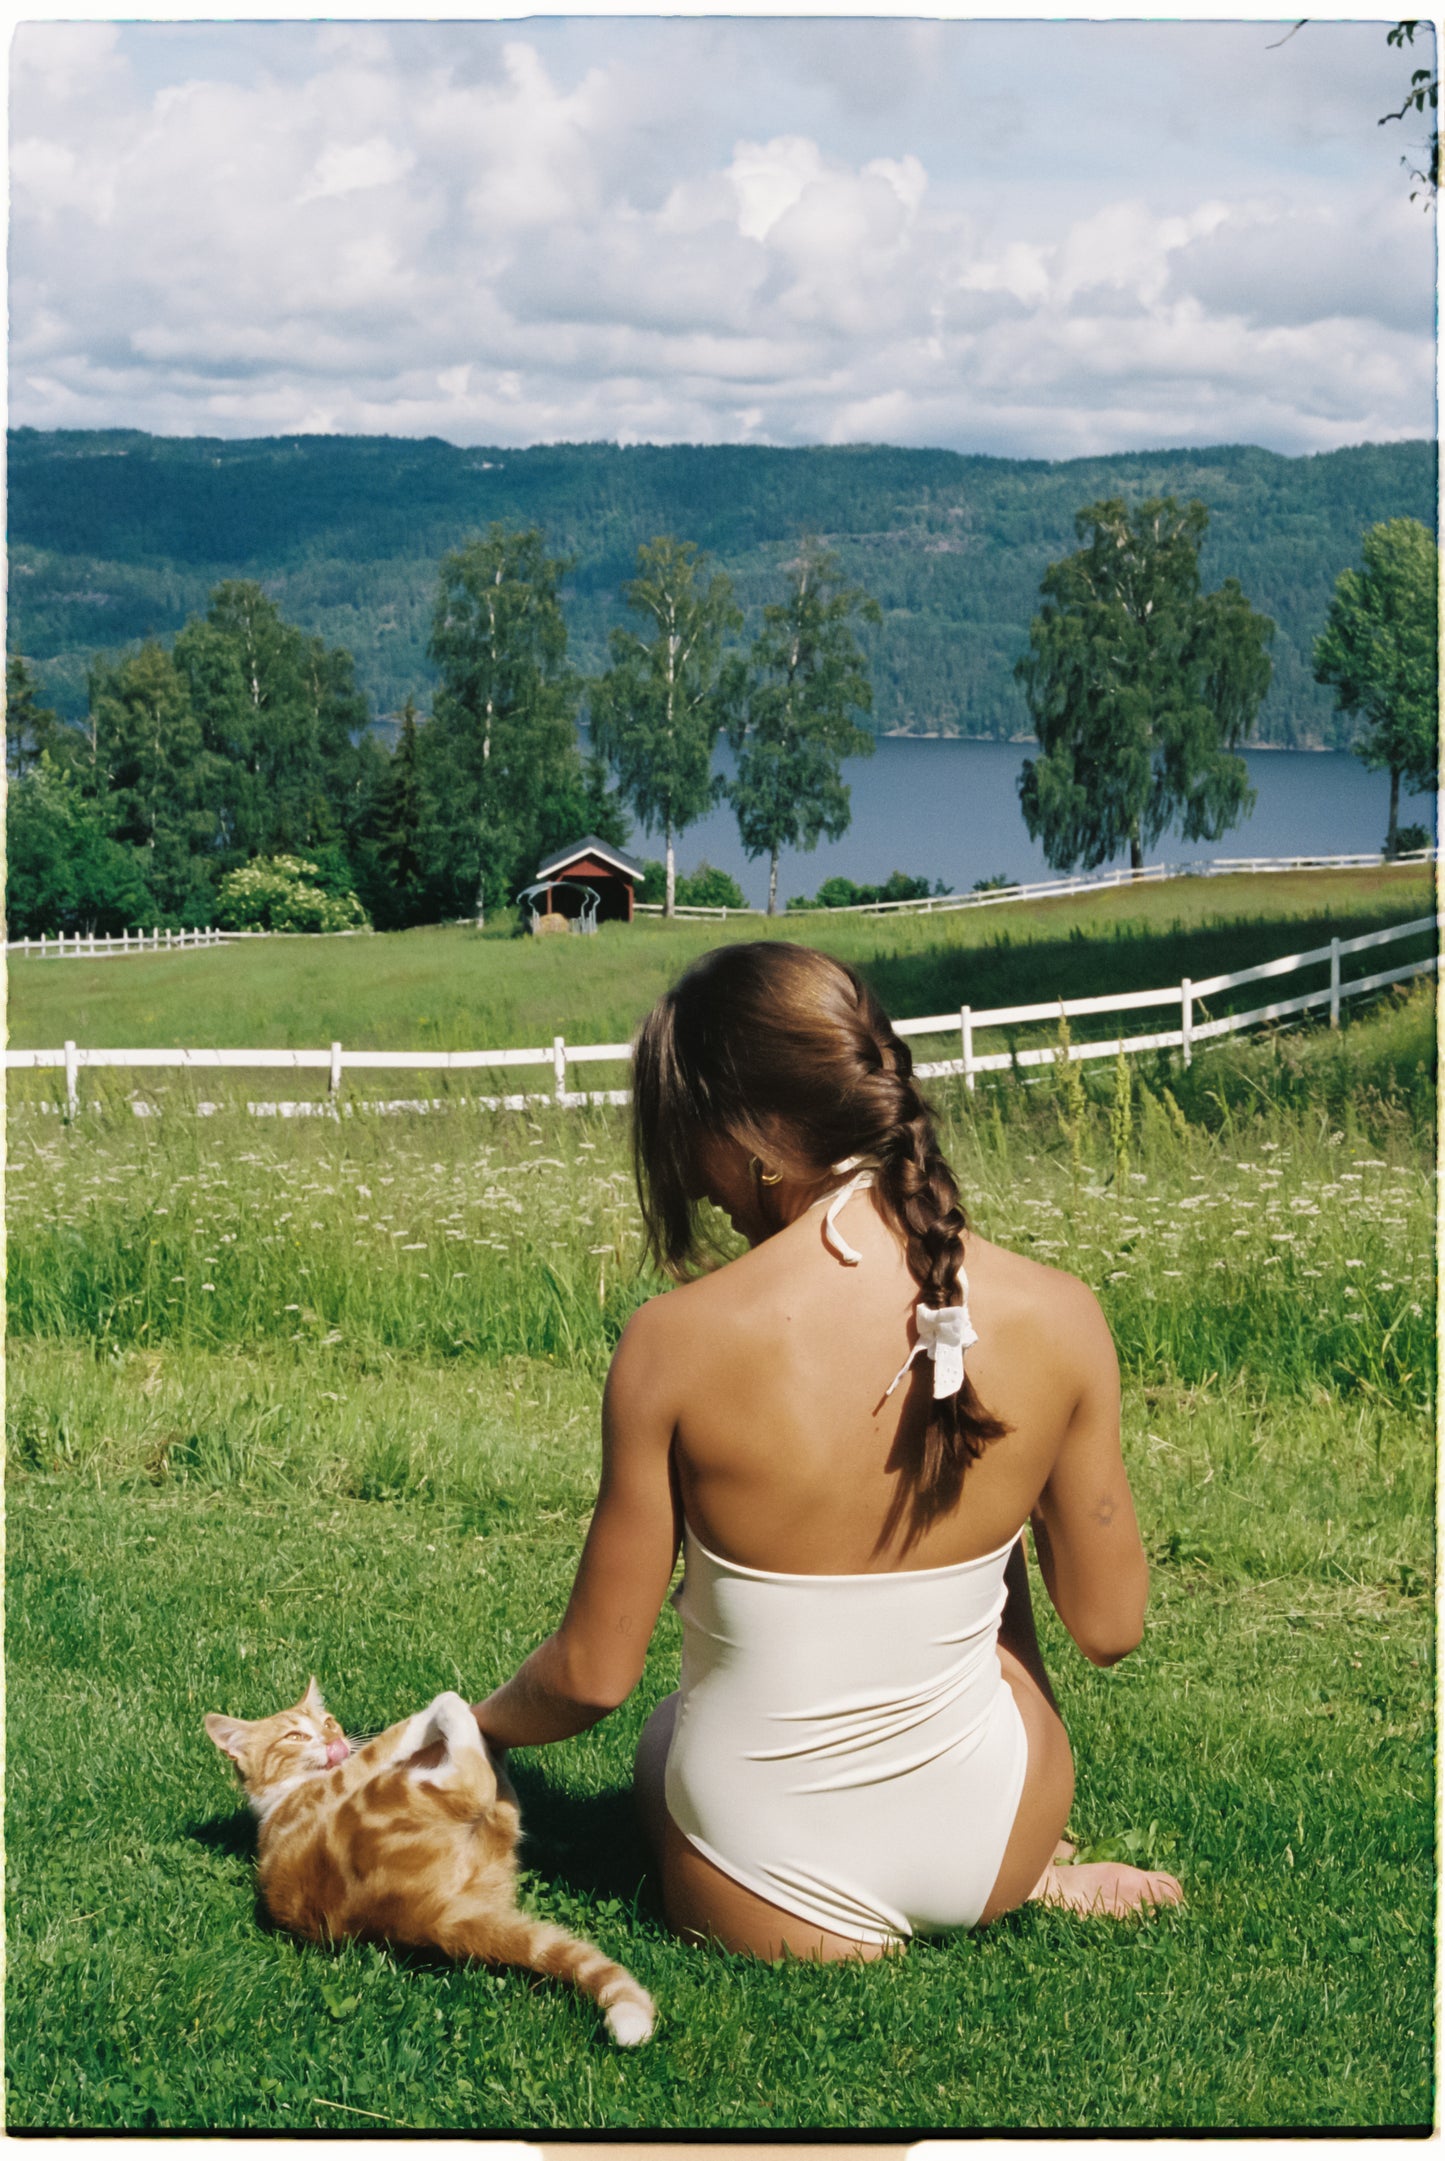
948,735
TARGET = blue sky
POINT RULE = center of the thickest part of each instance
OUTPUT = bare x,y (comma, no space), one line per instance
1028,238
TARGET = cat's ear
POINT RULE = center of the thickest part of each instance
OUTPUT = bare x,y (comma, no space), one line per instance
229,1734
311,1701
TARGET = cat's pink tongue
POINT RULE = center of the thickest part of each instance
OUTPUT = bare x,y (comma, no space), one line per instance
337,1752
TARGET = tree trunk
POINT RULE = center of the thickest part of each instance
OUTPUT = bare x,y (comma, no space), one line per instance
669,904
1136,853
1392,837
773,885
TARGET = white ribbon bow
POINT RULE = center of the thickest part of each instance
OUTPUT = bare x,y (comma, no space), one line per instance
945,1333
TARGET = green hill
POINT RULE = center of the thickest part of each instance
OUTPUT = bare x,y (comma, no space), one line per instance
117,535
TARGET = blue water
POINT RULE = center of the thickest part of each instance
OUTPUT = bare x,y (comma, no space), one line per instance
950,810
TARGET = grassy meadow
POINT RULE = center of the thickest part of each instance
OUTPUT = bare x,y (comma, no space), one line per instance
457,988
294,1396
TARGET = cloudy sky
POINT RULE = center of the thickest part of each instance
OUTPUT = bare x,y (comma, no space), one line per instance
1028,238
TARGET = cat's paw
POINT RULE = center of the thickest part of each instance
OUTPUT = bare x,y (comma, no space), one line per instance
632,2021
449,1719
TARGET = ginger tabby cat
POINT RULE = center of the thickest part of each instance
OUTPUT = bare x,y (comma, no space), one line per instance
368,1843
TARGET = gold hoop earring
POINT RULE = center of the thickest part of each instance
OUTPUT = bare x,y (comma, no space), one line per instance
765,1178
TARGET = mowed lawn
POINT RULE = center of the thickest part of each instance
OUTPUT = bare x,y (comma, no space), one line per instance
456,988
322,1397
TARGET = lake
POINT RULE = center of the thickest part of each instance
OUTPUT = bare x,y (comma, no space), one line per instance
939,808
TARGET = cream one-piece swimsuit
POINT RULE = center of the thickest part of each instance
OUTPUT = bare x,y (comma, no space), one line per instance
847,1747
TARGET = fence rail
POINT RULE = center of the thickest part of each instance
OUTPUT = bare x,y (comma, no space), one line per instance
85,945
1187,995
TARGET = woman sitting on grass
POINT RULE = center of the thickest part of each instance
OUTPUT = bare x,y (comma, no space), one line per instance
864,1745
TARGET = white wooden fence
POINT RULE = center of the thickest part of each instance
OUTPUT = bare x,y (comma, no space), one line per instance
1188,996
1060,888
88,946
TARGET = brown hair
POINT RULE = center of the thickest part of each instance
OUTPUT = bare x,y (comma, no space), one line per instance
788,1052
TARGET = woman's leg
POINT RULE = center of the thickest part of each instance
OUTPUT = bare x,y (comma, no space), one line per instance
700,1902
1030,1868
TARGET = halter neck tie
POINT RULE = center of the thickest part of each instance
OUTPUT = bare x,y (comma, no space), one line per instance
944,1332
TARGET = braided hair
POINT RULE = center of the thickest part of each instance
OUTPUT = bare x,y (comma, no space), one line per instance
788,1052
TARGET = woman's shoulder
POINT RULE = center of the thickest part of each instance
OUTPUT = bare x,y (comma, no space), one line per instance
706,1314
1036,1303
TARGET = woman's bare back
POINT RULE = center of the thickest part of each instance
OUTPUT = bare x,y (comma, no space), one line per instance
789,1452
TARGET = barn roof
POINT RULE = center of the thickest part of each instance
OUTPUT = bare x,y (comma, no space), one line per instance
600,852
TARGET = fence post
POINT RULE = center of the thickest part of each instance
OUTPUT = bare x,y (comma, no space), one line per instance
559,1068
72,1094
336,1069
1334,982
1186,1018
965,1030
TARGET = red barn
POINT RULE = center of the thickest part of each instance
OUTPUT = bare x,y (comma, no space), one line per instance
612,875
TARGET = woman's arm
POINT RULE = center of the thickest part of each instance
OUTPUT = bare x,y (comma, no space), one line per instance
595,1657
1086,1534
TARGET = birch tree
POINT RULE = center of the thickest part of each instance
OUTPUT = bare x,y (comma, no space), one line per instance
507,702
1140,688
1379,651
658,710
809,677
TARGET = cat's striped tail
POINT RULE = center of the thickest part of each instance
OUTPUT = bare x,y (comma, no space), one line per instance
520,1941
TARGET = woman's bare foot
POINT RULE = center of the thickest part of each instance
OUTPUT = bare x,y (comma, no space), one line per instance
1065,1850
1106,1887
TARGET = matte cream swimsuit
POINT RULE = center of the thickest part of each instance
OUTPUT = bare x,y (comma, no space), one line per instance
846,1747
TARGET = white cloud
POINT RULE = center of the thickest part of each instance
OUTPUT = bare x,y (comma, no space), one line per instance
511,233
768,178
1284,262
344,168
60,64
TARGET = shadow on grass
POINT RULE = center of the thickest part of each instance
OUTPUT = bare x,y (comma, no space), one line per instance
1018,965
233,1835
589,1844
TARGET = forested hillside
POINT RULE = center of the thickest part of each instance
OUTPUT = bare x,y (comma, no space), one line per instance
115,536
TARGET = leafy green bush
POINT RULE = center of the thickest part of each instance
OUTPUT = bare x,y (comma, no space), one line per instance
710,888
283,892
1409,838
843,893
707,887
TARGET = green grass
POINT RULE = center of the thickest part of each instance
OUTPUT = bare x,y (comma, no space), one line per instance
376,1463
453,989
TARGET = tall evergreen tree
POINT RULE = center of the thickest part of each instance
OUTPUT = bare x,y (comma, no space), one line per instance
1140,687
1379,651
658,710
404,877
809,676
31,729
347,765
506,706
